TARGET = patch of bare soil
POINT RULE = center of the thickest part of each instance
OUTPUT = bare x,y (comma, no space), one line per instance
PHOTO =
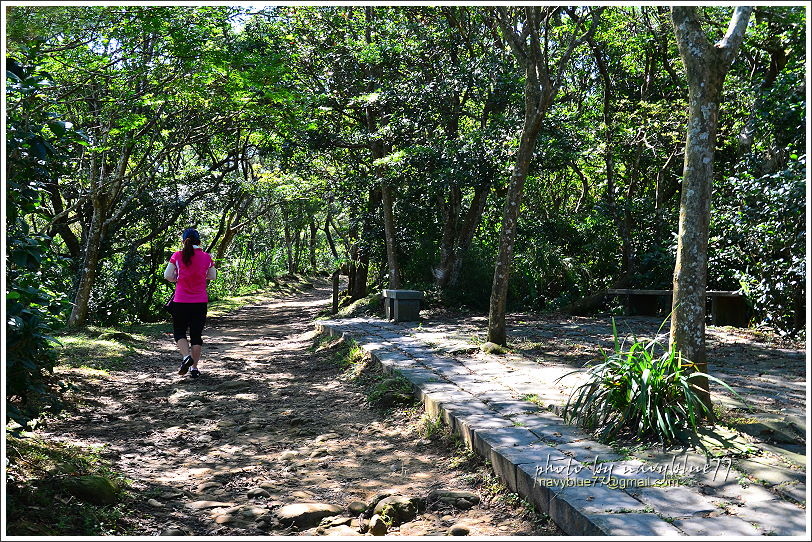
269,423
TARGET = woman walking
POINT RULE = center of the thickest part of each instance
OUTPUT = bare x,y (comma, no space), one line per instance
190,269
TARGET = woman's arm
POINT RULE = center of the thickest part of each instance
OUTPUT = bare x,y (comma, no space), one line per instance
211,273
171,272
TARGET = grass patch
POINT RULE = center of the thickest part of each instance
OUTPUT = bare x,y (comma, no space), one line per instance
38,503
431,427
97,349
533,398
347,355
370,305
391,391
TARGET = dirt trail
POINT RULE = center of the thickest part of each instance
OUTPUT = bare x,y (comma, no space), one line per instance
268,416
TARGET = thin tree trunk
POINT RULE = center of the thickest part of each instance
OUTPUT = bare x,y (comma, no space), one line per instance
362,262
530,41
102,198
466,234
313,230
335,277
390,232
448,240
288,239
297,253
329,237
706,66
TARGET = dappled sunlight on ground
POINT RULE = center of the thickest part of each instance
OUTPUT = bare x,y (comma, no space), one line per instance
268,412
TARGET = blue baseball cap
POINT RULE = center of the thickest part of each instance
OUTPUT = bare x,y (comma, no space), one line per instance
190,232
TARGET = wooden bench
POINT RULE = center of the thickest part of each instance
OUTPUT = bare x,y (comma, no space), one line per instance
727,308
402,305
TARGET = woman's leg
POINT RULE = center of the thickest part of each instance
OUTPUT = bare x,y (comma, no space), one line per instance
183,346
197,351
180,321
196,324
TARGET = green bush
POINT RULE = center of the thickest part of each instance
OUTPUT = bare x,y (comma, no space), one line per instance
37,145
646,389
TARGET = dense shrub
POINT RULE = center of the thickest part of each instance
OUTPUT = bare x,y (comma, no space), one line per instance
36,145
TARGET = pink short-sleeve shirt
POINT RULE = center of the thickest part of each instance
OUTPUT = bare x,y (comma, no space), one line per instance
191,285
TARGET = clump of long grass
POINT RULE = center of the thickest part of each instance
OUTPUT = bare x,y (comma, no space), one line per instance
646,388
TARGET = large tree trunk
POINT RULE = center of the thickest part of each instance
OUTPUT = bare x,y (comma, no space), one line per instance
510,217
78,315
706,66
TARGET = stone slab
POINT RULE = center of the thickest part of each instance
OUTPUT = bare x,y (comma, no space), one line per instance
585,450
716,526
776,517
674,501
402,294
633,524
499,437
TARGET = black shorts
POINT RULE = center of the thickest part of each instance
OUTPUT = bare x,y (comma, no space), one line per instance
191,316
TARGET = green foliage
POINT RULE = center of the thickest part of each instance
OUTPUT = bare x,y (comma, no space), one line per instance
38,503
37,144
431,427
758,244
643,388
258,127
391,391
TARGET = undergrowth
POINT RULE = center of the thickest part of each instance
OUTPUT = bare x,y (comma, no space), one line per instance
38,503
646,389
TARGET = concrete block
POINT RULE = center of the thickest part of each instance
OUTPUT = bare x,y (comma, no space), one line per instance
486,439
534,454
588,451
541,481
444,400
674,501
625,525
527,485
776,517
595,498
716,526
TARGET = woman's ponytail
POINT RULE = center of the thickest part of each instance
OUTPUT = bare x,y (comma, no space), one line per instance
189,249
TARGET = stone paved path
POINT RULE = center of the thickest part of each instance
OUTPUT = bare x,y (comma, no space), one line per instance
483,398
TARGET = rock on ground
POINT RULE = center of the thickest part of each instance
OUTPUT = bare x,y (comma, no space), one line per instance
306,515
377,526
92,489
398,509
